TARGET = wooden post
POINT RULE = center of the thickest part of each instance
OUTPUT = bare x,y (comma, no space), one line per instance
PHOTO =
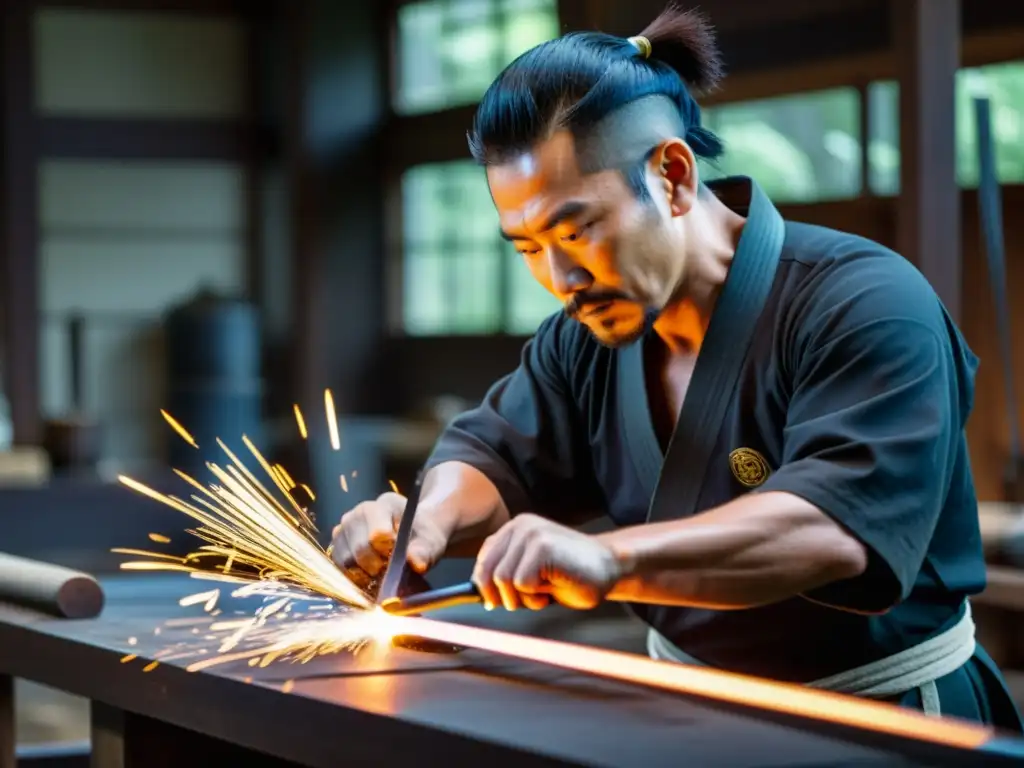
19,226
8,733
108,736
926,40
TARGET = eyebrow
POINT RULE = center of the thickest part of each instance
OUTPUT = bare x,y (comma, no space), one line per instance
570,210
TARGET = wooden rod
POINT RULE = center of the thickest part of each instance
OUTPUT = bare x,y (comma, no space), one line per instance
49,588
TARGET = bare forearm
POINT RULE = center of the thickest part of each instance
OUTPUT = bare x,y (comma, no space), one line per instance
465,504
756,550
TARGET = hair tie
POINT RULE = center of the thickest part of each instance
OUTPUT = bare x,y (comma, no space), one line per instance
643,45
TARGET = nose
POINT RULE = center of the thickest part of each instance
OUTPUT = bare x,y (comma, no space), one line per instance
566,275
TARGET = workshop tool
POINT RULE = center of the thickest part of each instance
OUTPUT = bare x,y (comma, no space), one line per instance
396,568
465,593
49,588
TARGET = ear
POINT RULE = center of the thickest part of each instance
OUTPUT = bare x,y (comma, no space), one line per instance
675,166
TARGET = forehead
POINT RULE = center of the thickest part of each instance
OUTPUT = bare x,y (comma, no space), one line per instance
530,184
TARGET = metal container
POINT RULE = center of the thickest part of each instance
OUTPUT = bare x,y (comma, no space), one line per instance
214,385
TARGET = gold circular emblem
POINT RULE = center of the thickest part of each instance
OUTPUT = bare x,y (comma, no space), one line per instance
749,467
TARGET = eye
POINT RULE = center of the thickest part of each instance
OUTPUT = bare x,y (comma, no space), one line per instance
579,234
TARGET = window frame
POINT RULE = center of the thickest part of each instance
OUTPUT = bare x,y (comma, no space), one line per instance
420,139
438,137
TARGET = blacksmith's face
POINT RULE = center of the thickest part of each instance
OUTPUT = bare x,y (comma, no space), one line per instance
610,258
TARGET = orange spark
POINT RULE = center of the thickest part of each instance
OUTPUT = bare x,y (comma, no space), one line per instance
300,421
182,432
209,599
393,486
344,484
146,553
332,420
159,538
285,476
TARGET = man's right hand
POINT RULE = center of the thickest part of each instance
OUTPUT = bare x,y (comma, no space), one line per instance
361,544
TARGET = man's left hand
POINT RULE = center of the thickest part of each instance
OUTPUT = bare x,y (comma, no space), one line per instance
531,561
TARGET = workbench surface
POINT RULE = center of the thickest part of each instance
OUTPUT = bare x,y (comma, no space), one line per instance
464,708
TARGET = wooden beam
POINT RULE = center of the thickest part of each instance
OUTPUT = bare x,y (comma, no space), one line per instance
19,226
189,7
145,139
254,162
308,272
437,137
976,50
864,131
581,15
927,41
337,194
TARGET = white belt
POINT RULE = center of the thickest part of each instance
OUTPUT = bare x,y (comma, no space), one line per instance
916,667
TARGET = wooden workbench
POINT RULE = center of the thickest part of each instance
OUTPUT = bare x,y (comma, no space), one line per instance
449,710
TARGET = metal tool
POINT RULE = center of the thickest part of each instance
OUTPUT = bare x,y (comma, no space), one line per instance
435,599
396,568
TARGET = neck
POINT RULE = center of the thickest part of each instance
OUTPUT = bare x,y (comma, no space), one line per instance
712,237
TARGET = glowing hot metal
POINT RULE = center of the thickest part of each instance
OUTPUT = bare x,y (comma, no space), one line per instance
667,676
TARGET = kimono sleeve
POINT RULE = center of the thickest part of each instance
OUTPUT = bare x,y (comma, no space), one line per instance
874,422
526,435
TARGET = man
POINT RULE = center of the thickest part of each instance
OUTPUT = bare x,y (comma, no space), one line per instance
772,413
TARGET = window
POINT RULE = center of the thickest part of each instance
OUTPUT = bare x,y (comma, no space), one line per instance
883,138
449,51
460,276
800,148
1002,83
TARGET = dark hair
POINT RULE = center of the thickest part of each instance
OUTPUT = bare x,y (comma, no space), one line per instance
576,80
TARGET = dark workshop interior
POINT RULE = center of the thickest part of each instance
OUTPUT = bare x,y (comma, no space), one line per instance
221,208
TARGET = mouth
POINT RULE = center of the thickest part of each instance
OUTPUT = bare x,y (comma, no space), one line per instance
599,309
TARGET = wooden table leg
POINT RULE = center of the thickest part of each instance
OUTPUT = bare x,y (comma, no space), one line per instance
107,730
8,735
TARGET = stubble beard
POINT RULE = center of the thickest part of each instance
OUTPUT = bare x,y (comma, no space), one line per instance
652,259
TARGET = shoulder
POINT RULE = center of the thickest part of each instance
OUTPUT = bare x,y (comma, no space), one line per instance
837,282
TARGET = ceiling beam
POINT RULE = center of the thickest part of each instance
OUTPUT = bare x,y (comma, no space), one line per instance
96,138
188,7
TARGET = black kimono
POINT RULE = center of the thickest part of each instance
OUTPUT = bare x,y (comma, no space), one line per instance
852,390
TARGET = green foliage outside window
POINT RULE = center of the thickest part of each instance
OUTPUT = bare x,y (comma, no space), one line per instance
800,148
449,51
1002,83
460,276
